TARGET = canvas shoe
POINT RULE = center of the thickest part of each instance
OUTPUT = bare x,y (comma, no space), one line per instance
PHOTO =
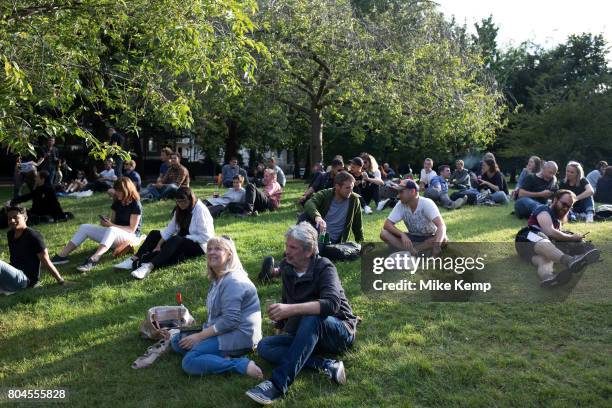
142,271
579,262
337,372
381,204
59,260
126,264
265,393
87,266
367,209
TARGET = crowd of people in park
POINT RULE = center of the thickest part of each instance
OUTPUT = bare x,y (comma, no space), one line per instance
314,317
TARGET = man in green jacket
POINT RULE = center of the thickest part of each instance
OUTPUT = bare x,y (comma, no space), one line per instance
336,210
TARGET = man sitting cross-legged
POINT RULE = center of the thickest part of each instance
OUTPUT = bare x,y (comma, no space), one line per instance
27,251
534,243
335,211
314,314
426,228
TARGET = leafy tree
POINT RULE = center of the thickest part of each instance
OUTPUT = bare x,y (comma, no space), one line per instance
122,61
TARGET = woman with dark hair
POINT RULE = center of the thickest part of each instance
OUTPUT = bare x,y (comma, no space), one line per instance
185,237
122,227
603,193
492,180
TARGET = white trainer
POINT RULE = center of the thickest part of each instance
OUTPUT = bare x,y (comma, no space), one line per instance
367,209
381,204
143,271
126,264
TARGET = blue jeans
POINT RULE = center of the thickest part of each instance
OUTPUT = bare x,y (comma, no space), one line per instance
293,352
586,205
524,206
163,192
11,278
206,358
500,197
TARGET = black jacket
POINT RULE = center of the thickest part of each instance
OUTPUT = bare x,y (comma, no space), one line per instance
321,282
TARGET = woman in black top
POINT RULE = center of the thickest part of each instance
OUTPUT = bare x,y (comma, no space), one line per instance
121,229
492,179
45,207
584,206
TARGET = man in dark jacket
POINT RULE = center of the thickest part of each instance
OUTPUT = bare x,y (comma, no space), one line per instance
314,313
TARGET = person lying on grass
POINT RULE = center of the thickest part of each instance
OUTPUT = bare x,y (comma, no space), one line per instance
185,237
120,230
233,328
426,228
216,205
268,198
314,315
27,251
541,242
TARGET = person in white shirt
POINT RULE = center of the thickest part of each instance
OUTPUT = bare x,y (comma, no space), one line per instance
216,205
426,228
106,178
185,237
427,173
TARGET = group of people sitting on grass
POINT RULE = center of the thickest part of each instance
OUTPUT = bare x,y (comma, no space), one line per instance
313,316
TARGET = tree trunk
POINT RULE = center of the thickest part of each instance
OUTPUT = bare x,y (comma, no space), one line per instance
231,143
316,136
296,163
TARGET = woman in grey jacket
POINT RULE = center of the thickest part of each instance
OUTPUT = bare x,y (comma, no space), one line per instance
234,318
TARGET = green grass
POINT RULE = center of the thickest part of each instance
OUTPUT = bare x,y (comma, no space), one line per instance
84,337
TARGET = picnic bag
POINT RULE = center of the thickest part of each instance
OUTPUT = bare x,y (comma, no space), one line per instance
162,318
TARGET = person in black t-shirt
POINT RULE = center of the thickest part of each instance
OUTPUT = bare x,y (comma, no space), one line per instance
539,242
45,206
119,231
27,250
536,190
584,207
603,193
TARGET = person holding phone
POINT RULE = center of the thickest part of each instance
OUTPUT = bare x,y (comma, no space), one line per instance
123,226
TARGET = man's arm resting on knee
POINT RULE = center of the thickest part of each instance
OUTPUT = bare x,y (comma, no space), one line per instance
391,228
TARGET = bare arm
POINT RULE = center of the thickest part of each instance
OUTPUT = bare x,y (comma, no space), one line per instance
540,194
390,227
44,259
588,192
547,227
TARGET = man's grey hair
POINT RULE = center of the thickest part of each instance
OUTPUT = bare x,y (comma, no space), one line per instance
552,164
306,234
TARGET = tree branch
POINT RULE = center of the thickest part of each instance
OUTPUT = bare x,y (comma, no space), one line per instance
294,106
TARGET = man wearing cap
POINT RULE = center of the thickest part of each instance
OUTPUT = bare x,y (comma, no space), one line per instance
426,228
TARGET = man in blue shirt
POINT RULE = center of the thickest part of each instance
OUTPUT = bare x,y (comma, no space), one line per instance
438,190
228,171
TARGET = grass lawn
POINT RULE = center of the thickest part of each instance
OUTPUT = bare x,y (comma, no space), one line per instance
84,337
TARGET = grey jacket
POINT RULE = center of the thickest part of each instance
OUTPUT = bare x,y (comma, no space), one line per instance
236,313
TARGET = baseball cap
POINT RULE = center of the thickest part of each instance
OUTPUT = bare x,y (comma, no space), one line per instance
408,185
356,161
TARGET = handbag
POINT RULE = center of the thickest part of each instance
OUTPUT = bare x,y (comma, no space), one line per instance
160,319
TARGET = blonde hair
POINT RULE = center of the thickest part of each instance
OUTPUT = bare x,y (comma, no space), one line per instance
579,171
373,163
232,264
270,172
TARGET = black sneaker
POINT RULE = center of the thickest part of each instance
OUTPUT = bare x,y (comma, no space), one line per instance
559,279
579,262
87,266
265,393
267,266
59,260
337,372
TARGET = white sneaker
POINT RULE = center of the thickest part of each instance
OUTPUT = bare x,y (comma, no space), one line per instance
143,271
367,209
589,217
381,204
126,264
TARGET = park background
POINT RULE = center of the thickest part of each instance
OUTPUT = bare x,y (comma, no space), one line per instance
313,78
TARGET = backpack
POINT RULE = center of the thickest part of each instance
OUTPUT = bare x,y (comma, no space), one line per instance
345,251
603,213
162,318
